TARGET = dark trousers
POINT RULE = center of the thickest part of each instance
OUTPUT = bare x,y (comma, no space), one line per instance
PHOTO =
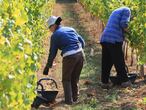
72,66
112,54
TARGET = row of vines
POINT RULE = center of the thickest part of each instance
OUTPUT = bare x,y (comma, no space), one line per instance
137,26
22,29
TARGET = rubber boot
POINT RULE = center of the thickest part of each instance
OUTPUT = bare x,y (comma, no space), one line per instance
67,92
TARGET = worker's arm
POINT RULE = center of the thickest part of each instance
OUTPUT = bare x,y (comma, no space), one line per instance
52,55
125,18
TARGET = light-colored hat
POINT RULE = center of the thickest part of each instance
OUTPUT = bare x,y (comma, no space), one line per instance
52,20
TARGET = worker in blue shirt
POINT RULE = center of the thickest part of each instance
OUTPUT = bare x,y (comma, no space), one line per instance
71,44
111,41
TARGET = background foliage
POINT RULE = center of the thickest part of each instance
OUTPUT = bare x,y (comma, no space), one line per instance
22,27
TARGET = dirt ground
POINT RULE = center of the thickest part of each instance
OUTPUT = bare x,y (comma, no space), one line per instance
74,15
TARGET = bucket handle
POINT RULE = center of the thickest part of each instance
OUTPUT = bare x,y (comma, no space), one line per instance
39,82
42,88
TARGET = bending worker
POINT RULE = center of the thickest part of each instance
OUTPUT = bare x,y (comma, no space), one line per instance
71,44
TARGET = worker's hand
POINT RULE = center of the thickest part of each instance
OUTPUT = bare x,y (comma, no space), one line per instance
46,70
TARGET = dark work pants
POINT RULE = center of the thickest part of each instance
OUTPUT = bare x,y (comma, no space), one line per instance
112,54
72,66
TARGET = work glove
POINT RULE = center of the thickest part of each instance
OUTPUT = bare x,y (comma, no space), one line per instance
46,70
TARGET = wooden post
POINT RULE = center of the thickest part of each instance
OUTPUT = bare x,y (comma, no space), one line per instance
132,52
125,50
142,71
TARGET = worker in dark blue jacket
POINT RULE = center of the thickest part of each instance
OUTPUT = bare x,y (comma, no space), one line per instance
111,41
71,44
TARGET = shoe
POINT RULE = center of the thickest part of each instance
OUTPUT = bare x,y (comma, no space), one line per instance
126,84
72,103
69,103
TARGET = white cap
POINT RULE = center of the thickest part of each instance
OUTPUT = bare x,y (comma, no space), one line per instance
52,20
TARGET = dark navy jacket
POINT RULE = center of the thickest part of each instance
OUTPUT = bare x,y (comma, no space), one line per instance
67,40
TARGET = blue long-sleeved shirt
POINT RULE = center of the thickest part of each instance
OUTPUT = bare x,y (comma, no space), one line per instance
118,20
67,40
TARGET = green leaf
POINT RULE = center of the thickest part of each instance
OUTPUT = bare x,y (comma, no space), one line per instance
11,76
26,41
20,47
29,85
34,56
